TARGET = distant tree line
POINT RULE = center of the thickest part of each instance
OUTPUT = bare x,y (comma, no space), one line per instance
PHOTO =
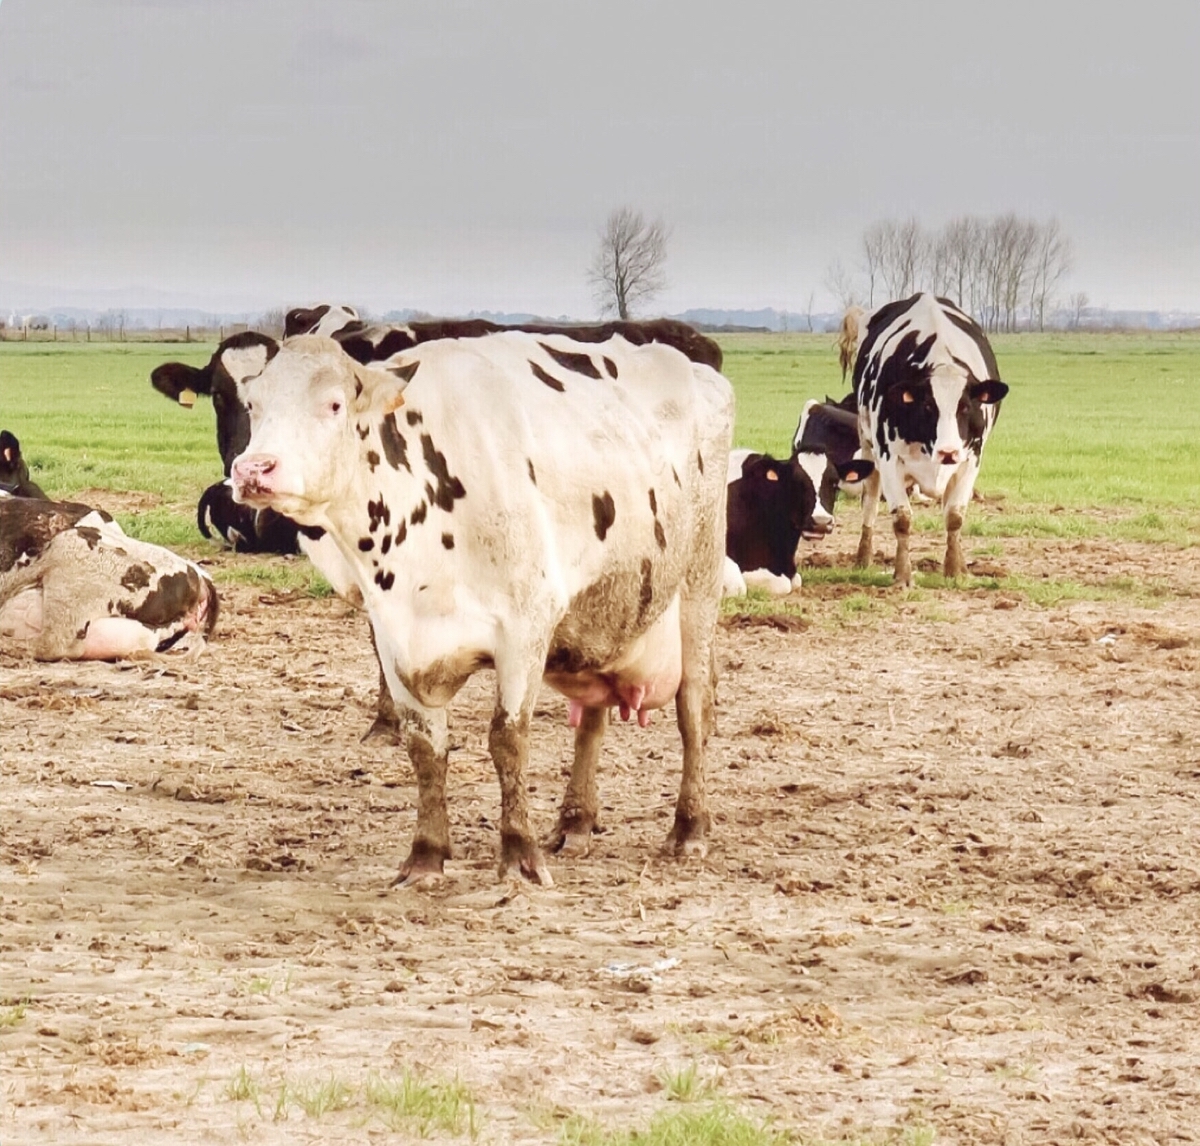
1004,270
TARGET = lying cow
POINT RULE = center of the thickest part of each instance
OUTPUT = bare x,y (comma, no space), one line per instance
549,507
243,529
14,471
73,586
928,396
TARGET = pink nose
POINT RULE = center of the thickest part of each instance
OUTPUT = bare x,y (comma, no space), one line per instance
948,457
250,469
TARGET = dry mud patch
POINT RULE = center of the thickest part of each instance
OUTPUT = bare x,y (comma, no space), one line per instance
954,884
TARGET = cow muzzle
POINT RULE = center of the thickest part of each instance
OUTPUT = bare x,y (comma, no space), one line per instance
949,457
253,477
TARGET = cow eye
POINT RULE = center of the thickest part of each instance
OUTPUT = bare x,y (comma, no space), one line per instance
335,407
249,407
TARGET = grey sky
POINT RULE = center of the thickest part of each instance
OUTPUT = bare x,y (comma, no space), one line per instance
450,155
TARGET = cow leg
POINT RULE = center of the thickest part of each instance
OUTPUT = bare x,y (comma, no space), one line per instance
870,510
954,565
695,718
387,725
429,751
901,527
508,742
581,801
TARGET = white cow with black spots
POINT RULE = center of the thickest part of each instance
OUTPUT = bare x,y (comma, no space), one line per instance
549,507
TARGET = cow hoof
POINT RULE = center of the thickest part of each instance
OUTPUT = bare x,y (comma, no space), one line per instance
687,839
524,857
385,730
425,864
573,844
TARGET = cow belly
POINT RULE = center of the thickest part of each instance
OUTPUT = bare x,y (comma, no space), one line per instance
645,675
21,617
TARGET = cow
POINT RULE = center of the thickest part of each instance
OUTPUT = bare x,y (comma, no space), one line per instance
548,507
771,505
73,586
14,471
928,396
826,447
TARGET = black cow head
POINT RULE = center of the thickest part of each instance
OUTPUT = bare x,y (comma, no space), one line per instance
14,472
912,409
238,358
769,508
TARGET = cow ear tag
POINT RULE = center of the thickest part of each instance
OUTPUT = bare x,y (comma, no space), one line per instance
187,397
907,398
772,475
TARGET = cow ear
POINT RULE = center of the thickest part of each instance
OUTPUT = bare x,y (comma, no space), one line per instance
242,363
181,383
855,470
988,392
386,383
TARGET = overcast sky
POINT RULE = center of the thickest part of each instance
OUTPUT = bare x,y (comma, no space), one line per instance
454,156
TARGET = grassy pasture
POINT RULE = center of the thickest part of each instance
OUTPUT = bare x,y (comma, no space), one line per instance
1097,436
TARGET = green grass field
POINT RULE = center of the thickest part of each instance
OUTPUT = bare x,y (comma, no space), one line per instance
1095,422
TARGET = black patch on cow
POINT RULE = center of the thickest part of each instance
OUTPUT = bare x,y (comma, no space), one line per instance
301,320
379,513
700,461
675,475
413,416
82,633
449,488
610,366
549,379
386,543
646,592
366,544
170,642
401,532
604,513
89,534
372,459
357,388
419,514
653,503
170,599
532,471
447,540
429,493
137,576
659,534
362,431
312,532
385,580
363,350
580,363
395,448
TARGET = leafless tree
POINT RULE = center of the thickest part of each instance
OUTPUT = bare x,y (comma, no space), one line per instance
271,322
629,267
902,256
812,294
842,285
1051,260
1079,302
874,245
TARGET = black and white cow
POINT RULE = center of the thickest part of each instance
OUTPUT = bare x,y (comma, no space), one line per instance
772,504
73,586
928,395
549,507
14,470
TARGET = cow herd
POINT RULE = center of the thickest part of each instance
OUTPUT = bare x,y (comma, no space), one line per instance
558,504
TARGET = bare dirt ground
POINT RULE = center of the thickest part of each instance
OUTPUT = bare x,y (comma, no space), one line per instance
954,885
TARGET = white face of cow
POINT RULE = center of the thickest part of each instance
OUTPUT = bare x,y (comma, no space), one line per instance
308,413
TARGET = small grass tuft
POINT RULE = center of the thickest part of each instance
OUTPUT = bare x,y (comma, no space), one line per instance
686,1084
413,1103
244,1087
717,1124
13,1012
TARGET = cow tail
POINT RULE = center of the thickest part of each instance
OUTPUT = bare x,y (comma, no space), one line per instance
201,523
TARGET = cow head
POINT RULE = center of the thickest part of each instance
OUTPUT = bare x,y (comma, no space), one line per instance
824,447
310,410
324,319
239,357
14,473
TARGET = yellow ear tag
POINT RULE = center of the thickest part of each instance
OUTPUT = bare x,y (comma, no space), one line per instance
907,398
187,398
772,475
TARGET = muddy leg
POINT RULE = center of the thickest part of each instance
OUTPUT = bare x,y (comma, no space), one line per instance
694,716
954,566
388,726
581,801
870,502
428,749
508,741
901,526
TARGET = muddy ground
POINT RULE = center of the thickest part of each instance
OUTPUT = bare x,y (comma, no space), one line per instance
953,892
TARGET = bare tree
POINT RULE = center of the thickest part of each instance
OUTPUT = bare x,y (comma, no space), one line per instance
874,244
903,256
271,322
1079,302
1051,260
629,265
842,285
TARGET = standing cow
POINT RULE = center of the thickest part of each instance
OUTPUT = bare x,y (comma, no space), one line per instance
549,507
928,396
